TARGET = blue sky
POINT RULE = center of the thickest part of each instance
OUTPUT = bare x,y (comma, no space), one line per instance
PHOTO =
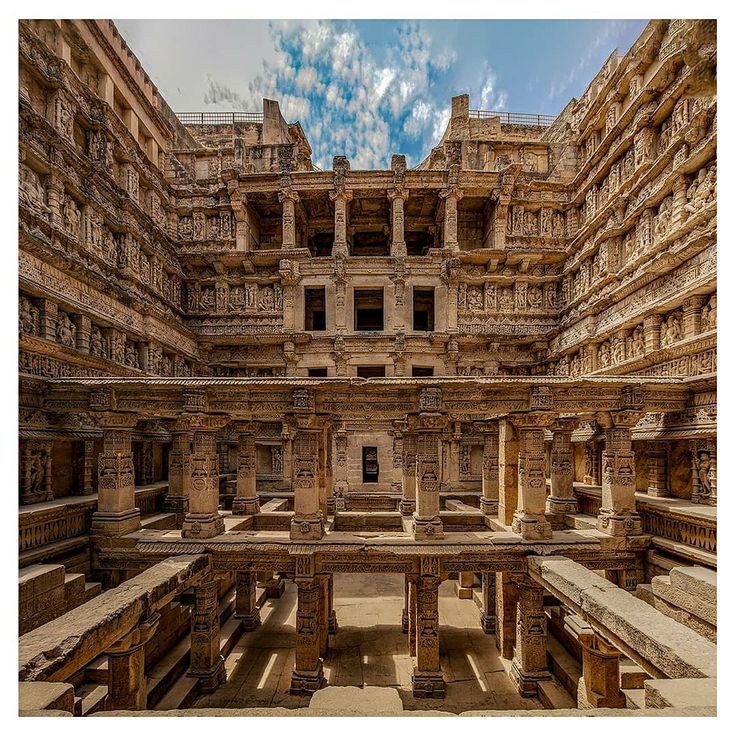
367,89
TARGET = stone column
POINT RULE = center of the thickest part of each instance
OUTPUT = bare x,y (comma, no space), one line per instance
411,639
488,597
426,522
329,474
408,503
341,468
397,197
530,655
180,472
489,487
341,199
332,625
288,198
508,472
397,457
48,314
507,597
307,520
245,601
652,333
126,676
600,685
427,680
692,309
203,519
83,325
618,515
287,440
464,587
657,470
451,196
307,676
206,663
116,513
562,499
529,519
322,477
407,608
246,496
86,481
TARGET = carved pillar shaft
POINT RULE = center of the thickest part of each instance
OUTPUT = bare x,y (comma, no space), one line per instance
398,244
307,522
562,497
427,680
409,476
657,470
488,598
529,519
489,482
245,601
288,219
507,596
652,333
246,497
341,200
180,475
83,326
203,519
307,676
206,662
412,581
508,472
426,520
452,197
530,655
86,476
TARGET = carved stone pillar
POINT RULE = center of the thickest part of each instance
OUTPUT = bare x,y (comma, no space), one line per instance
340,200
427,680
245,601
703,453
180,472
55,199
322,477
397,197
341,468
692,309
411,639
206,663
507,597
126,676
618,515
529,519
83,326
600,685
488,597
562,499
397,457
246,496
307,676
86,479
35,474
508,471
530,655
203,519
307,522
426,522
116,513
288,198
408,503
489,482
48,313
287,443
652,333
405,610
329,473
657,469
451,196
332,625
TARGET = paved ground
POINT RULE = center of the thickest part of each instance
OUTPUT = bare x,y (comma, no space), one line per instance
369,649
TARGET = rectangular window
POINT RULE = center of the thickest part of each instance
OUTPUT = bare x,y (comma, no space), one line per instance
422,370
423,309
314,309
368,310
370,465
371,371
317,372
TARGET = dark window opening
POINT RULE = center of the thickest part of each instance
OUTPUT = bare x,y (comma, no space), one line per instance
422,370
370,244
424,309
371,371
418,243
317,372
368,310
370,465
314,309
320,244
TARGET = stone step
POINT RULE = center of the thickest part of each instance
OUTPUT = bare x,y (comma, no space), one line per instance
159,521
563,666
167,671
675,596
91,590
554,696
54,550
37,579
644,592
74,588
696,581
686,552
634,699
632,676
580,521
41,595
90,699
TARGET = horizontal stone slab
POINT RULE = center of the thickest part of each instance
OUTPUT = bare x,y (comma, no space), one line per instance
645,593
663,588
683,693
59,648
698,581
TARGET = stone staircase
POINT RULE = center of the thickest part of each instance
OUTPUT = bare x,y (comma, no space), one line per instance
46,591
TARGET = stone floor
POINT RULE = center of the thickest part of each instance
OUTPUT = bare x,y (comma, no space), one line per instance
369,649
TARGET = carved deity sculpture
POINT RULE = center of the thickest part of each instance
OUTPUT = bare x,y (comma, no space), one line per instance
27,317
131,355
672,330
66,332
72,217
702,191
664,217
604,355
708,315
96,342
31,191
703,464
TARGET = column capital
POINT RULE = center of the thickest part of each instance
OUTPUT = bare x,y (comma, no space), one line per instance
288,194
454,192
245,426
564,424
398,193
116,420
136,637
344,195
533,420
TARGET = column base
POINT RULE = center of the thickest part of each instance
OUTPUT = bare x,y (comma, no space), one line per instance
487,622
427,684
178,505
332,625
489,506
211,680
307,528
561,506
306,682
202,526
427,528
407,506
527,683
657,493
119,524
249,621
531,527
246,506
330,505
619,525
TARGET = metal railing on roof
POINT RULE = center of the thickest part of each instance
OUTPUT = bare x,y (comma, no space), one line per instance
515,118
219,118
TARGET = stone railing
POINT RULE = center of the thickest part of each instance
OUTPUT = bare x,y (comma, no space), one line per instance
514,118
219,118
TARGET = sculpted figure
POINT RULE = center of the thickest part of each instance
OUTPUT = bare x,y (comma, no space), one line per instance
703,467
131,355
701,191
96,342
27,317
72,217
604,355
265,299
38,470
664,215
708,315
32,192
637,341
66,332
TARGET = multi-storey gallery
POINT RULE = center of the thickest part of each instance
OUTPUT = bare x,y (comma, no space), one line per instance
442,435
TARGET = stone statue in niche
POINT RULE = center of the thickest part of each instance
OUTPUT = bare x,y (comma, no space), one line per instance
96,343
72,216
664,217
66,332
703,464
237,299
266,299
185,228
277,461
32,192
37,476
131,355
465,460
604,355
637,342
708,315
28,317
475,298
702,191
672,330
